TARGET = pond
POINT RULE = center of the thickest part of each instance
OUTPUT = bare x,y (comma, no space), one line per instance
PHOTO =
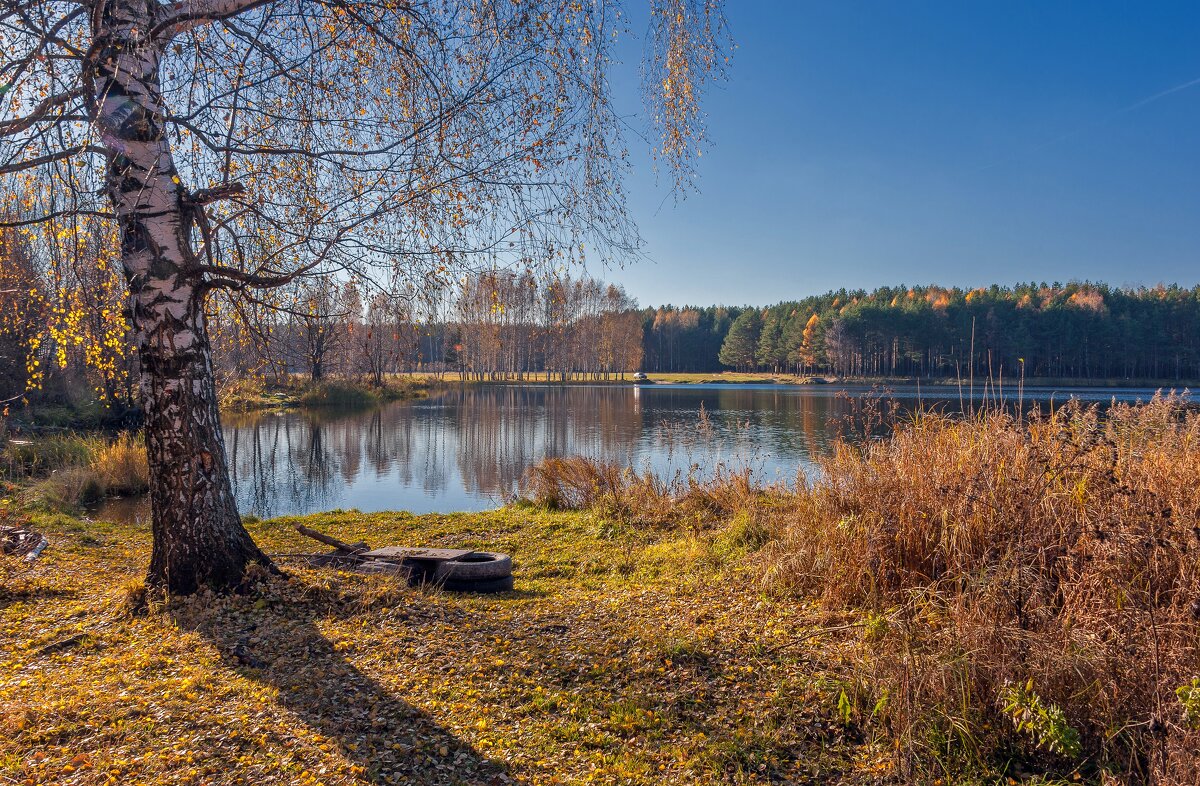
466,448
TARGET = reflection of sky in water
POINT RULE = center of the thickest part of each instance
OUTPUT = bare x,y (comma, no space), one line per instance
466,449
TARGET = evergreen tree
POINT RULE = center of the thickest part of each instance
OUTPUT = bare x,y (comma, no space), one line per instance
741,343
770,350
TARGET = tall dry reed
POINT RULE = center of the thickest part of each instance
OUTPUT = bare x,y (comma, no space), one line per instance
644,498
1033,586
72,471
121,466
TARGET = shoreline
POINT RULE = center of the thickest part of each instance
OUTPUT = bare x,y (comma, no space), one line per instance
350,393
807,380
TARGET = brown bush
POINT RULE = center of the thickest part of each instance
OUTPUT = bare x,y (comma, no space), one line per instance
574,483
1033,586
620,493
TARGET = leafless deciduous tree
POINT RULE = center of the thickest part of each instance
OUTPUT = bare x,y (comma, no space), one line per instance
508,326
237,144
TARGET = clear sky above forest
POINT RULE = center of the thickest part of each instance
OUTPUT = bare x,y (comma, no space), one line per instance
863,143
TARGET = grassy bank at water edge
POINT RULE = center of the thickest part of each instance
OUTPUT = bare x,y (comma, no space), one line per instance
251,394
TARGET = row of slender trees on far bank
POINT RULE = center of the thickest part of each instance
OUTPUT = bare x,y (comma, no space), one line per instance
502,325
495,325
486,326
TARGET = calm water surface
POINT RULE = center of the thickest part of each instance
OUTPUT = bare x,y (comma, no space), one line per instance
466,449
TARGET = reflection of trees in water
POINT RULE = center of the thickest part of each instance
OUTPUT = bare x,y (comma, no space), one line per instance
774,431
778,431
458,448
488,437
282,464
502,431
475,443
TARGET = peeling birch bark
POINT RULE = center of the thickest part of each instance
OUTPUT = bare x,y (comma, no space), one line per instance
199,539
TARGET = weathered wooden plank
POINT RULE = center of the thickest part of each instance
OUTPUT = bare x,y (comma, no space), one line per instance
348,548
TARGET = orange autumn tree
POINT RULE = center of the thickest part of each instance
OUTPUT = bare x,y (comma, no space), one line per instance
235,145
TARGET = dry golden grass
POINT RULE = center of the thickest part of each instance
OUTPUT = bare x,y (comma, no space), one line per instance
121,466
74,470
1034,586
1028,589
643,498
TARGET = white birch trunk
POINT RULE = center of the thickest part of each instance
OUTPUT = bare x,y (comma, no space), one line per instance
199,539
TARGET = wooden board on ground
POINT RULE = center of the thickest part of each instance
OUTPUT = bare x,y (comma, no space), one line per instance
405,553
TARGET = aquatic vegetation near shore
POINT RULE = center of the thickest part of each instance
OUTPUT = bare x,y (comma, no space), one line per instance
251,393
64,472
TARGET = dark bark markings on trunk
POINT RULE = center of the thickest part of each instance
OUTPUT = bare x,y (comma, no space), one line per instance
199,539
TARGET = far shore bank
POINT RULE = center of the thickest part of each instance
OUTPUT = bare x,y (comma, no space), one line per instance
765,378
254,395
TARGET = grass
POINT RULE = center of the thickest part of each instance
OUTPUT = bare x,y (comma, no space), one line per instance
1040,580
84,415
618,660
1024,593
683,378
66,471
336,393
120,466
39,456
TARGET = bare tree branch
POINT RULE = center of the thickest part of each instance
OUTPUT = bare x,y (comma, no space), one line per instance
185,15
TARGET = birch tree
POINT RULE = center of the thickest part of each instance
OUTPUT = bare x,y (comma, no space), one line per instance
237,144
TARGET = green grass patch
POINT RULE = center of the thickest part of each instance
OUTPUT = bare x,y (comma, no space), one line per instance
587,672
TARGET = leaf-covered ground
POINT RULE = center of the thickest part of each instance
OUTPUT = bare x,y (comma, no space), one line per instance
619,659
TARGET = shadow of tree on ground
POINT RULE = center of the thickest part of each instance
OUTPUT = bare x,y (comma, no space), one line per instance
279,644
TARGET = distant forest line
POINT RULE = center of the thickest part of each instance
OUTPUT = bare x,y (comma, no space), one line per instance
506,326
1079,330
509,326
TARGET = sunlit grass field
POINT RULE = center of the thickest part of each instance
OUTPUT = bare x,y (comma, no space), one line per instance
622,657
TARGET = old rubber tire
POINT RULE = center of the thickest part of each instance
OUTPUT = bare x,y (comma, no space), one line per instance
503,584
478,566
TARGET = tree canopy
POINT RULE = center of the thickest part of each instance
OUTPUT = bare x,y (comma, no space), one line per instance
1079,330
233,145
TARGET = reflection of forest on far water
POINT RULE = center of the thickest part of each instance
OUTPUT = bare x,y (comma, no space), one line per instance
467,448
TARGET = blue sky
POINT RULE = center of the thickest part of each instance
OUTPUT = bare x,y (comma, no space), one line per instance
912,141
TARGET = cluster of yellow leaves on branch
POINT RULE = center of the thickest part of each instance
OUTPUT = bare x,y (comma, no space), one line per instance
62,301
